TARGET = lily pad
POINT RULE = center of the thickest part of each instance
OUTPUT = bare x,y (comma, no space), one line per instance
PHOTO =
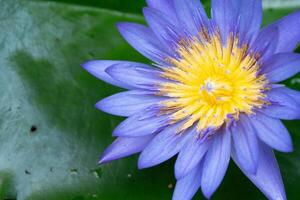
50,133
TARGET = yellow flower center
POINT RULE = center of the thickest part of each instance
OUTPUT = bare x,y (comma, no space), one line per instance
211,83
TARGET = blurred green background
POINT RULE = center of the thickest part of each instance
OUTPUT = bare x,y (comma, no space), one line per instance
50,133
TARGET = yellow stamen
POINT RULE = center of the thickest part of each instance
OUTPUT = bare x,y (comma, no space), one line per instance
211,81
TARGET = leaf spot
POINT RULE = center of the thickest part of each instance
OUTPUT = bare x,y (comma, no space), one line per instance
33,129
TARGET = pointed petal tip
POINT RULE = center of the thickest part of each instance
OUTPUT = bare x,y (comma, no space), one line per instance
100,162
179,174
103,160
216,162
103,106
207,192
98,105
113,72
117,133
84,65
123,26
120,25
87,65
275,135
268,178
142,164
288,149
106,156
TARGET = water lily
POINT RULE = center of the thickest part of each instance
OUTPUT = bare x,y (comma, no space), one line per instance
211,93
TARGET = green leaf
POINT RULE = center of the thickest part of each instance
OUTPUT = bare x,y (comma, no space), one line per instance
50,133
131,6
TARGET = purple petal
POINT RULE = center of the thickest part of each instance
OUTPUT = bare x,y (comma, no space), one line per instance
266,43
285,104
235,16
250,17
187,186
190,156
289,32
164,29
144,40
164,6
267,178
245,145
216,162
125,146
164,146
98,67
136,75
128,103
281,66
191,15
141,124
224,14
272,132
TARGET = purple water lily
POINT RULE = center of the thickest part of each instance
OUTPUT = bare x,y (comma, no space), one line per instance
211,94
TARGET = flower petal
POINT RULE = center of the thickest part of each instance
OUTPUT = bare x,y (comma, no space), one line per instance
266,43
164,29
281,66
285,104
191,15
224,13
267,178
250,17
164,6
128,103
125,146
187,186
144,40
190,156
216,162
140,124
136,75
98,67
272,132
243,17
289,32
245,145
165,145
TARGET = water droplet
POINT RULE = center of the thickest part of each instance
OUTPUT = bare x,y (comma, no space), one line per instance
74,171
129,175
97,172
170,186
295,81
